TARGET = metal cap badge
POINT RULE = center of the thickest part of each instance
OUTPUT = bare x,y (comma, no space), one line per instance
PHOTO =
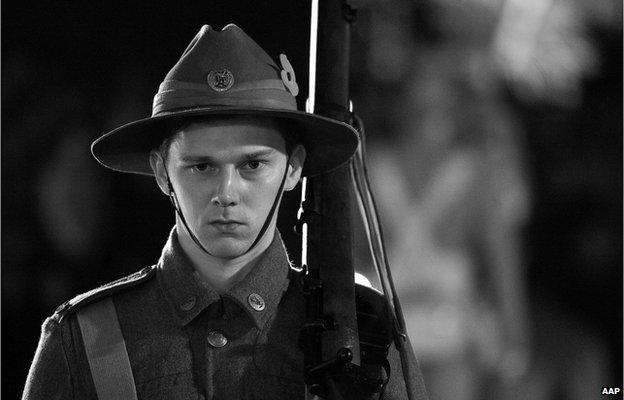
220,80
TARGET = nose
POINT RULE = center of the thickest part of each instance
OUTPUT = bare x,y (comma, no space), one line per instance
225,194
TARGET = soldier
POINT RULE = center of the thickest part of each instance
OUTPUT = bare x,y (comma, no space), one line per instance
220,313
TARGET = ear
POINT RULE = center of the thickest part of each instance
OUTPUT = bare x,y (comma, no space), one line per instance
158,167
297,158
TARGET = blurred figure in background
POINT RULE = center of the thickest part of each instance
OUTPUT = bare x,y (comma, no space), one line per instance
454,189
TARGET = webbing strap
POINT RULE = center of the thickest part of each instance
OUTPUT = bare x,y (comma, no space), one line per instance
106,351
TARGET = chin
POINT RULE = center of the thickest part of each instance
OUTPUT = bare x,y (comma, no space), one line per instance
228,248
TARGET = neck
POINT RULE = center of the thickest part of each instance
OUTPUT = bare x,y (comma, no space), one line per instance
222,273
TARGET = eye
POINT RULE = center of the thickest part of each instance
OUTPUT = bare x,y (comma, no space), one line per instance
253,165
200,167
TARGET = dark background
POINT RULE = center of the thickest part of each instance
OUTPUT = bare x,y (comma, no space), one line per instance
74,70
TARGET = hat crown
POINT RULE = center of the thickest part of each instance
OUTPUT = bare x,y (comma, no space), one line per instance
229,48
223,68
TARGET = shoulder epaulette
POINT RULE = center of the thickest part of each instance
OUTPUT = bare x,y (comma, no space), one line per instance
78,302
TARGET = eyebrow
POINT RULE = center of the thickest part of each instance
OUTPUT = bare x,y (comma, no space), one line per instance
190,158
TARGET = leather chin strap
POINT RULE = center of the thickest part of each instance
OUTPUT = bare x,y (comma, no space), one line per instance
265,226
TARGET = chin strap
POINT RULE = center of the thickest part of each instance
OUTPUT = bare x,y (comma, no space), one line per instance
176,205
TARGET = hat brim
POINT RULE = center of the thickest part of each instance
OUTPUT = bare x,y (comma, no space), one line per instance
328,143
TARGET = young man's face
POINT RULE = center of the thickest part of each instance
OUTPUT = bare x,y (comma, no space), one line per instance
226,175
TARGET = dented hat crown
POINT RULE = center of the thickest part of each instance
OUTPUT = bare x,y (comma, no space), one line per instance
220,74
211,73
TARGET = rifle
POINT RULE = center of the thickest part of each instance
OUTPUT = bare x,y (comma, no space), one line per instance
330,338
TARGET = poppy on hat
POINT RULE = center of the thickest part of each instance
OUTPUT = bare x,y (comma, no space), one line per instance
219,75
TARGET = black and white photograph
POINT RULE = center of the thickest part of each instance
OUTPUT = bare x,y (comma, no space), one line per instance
315,199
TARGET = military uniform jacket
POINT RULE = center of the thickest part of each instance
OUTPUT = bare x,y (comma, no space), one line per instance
186,341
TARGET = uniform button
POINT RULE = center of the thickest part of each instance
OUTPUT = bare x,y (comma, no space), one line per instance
217,339
256,302
188,304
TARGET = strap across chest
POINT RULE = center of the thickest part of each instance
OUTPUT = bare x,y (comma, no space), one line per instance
106,351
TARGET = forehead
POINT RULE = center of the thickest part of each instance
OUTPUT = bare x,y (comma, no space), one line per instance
231,134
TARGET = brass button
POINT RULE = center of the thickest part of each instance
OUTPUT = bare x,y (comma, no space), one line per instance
188,304
256,302
217,339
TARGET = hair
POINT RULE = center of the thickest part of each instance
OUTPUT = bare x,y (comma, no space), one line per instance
291,139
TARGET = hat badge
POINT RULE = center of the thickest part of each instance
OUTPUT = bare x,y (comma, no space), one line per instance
220,80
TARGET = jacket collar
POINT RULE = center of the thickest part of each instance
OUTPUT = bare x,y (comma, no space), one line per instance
258,294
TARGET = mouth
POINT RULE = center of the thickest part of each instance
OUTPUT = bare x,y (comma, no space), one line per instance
225,225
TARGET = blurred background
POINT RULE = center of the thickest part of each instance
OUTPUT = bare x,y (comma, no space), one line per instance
494,132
